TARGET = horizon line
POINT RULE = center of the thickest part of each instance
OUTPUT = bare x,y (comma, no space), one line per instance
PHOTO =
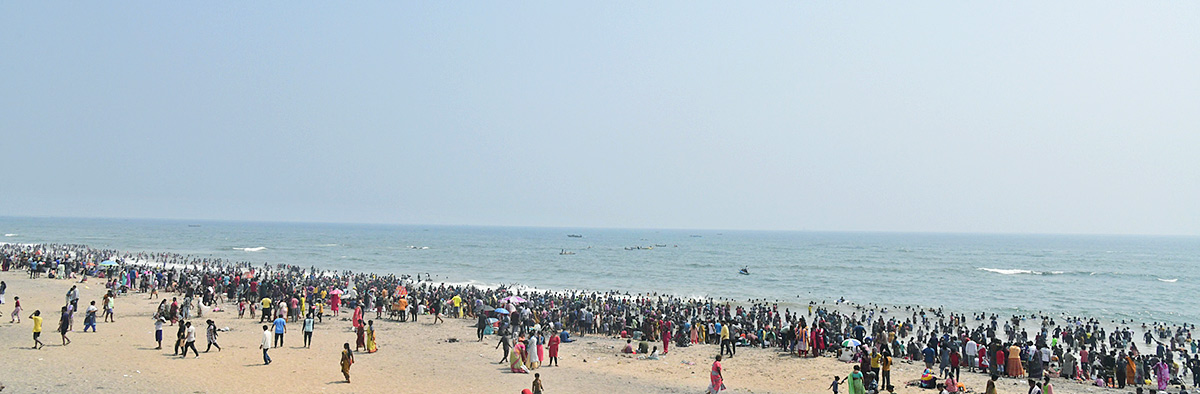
298,222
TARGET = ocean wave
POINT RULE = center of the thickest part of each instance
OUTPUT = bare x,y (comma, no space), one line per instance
258,249
327,245
10,235
1026,272
1168,280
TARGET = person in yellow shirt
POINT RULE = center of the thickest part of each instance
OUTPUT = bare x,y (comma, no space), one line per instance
266,310
725,342
37,329
457,305
885,378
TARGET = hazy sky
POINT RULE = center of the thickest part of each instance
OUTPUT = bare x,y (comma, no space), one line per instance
1043,117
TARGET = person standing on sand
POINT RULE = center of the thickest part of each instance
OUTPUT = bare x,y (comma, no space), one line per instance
555,340
854,383
537,384
265,345
347,360
360,336
480,325
158,323
37,328
280,329
371,347
716,377
308,329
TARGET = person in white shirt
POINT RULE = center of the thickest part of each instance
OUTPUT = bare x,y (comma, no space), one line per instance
190,341
266,344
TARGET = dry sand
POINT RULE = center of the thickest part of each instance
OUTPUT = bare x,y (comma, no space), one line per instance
412,358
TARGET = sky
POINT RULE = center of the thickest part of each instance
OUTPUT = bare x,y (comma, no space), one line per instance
995,117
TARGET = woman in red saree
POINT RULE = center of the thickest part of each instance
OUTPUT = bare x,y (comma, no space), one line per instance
718,381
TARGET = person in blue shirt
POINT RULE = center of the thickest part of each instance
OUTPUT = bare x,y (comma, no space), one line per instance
280,329
930,356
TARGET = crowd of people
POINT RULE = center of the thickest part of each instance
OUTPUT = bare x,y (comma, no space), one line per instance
531,325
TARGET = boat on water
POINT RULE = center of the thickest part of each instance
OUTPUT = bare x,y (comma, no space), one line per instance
564,252
193,225
744,271
575,235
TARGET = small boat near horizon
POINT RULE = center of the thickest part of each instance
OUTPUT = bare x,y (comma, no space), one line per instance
574,235
565,252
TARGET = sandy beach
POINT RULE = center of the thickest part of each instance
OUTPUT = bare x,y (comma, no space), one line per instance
413,357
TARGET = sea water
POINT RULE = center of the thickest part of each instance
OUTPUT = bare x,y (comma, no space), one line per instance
1145,278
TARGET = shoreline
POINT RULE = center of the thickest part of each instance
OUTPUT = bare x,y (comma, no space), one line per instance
427,343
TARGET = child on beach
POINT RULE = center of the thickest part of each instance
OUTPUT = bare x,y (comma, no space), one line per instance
16,314
834,386
537,383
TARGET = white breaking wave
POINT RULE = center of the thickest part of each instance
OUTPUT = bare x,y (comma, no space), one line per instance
1168,280
1009,272
1019,271
10,235
258,249
327,245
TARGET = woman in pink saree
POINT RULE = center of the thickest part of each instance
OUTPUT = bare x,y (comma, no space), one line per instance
1163,375
517,358
335,301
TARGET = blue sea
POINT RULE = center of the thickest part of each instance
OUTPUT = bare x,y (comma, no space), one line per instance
1145,278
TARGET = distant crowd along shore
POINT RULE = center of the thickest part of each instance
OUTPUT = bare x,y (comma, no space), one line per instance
530,322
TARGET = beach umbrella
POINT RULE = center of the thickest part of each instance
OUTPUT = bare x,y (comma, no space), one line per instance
513,299
488,308
108,263
851,343
336,291
501,311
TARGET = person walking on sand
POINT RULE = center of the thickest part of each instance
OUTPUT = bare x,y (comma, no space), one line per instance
834,386
64,326
265,345
89,317
716,377
347,360
189,341
16,313
211,332
37,328
110,302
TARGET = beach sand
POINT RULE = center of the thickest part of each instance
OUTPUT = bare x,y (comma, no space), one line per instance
412,358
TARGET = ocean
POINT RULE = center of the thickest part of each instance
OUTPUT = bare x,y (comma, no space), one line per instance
1145,278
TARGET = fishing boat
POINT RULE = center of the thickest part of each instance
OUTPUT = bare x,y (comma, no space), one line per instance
575,235
744,271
